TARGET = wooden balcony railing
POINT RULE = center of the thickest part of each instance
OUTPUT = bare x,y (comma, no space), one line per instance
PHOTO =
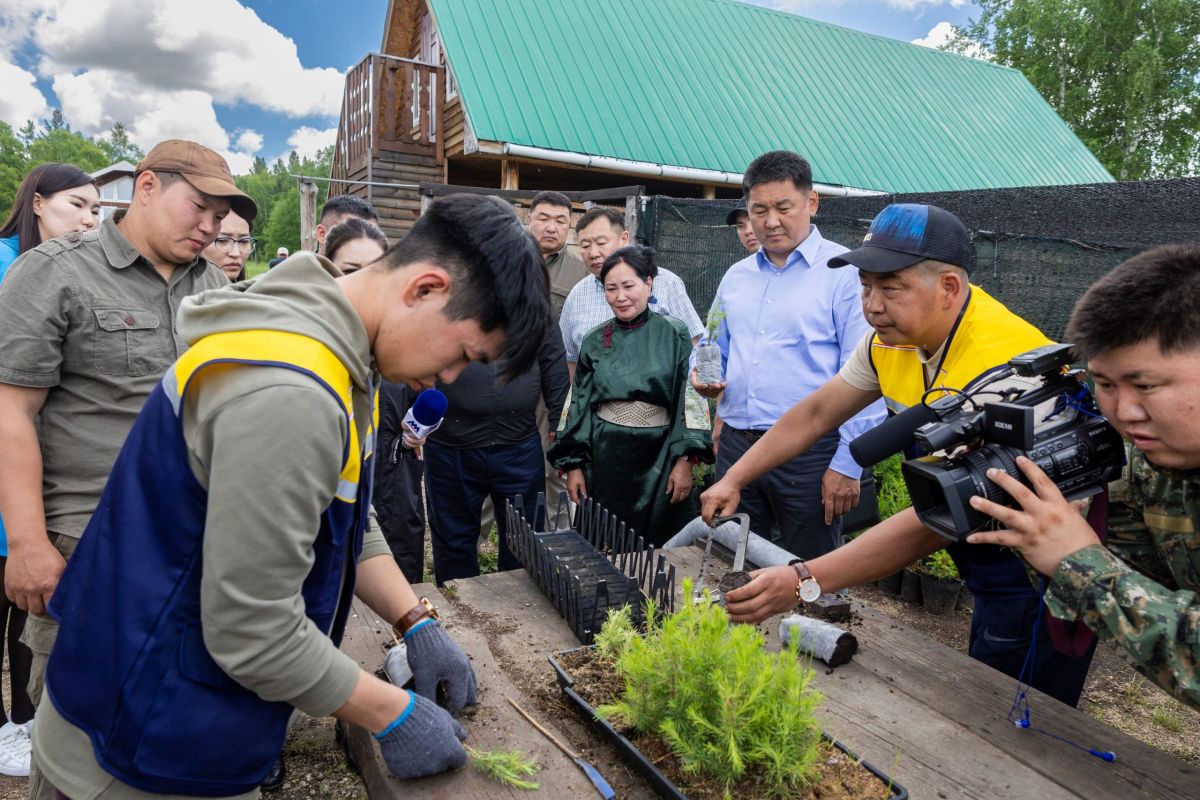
390,105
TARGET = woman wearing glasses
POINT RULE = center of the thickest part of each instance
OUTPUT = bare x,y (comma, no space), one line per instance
233,248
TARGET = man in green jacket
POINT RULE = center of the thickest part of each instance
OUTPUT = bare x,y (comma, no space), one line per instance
1138,328
240,503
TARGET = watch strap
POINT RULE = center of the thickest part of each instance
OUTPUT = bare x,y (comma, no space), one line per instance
802,575
422,610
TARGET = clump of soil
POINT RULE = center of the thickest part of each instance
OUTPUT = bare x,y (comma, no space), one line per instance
733,580
840,777
844,650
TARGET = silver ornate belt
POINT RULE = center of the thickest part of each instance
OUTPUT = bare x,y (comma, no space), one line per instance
633,414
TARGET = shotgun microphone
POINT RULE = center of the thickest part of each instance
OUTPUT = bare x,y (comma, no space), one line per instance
891,436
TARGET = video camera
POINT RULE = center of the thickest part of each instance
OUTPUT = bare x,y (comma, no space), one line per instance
1072,443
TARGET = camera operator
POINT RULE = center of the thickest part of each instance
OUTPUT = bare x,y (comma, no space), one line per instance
933,331
1140,587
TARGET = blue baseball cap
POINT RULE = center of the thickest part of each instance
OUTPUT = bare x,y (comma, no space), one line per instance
904,234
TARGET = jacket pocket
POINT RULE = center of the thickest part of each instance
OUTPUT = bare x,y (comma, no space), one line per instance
128,342
204,728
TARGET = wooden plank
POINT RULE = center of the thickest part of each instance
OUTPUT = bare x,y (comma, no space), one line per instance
943,714
631,215
455,128
439,109
924,713
397,198
492,724
510,175
308,214
390,160
522,650
385,120
397,146
405,173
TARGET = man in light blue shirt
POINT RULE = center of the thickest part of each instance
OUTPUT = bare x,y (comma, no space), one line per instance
786,323
600,233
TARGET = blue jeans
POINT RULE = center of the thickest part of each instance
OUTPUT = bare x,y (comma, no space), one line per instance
457,480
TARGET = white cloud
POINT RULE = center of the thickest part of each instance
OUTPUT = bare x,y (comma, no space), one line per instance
17,19
239,163
93,101
218,46
21,100
249,142
938,35
942,33
161,67
800,6
913,5
307,141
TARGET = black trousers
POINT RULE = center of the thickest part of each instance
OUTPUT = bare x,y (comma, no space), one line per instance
456,481
399,509
20,657
785,504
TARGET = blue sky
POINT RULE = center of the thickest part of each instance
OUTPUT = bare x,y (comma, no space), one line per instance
259,77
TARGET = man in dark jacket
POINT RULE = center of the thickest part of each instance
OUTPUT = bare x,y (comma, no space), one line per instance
488,446
397,498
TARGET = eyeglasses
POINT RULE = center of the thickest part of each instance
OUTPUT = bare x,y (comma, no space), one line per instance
247,243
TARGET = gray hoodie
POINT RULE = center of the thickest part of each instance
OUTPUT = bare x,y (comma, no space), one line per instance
267,444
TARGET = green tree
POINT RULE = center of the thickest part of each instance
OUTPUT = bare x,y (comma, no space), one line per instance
119,147
27,133
1124,75
57,122
69,147
283,225
12,167
277,194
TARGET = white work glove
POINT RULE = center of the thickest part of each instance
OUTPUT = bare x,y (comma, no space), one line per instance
395,665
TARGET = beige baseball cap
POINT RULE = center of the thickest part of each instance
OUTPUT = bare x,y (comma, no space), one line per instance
202,168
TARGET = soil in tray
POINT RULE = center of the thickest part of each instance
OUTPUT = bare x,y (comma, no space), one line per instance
841,777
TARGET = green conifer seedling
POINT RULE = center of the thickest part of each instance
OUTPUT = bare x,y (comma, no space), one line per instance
510,767
728,709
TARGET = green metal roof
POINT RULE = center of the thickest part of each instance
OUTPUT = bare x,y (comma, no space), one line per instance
712,83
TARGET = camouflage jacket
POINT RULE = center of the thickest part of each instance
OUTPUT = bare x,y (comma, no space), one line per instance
1143,590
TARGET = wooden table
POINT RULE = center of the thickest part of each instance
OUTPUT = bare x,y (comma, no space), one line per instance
927,715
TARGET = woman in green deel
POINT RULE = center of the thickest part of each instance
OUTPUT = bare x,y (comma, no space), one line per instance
635,426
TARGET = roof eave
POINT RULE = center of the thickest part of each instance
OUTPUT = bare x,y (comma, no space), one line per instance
624,166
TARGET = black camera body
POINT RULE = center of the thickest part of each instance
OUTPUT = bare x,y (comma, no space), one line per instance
1076,447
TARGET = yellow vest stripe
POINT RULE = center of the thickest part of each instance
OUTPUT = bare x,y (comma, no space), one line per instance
987,336
264,347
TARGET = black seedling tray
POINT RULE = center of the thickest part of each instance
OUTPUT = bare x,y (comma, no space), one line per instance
661,783
591,568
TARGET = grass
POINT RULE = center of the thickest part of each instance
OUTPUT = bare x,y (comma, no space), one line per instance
890,488
1167,718
489,553
1131,693
255,268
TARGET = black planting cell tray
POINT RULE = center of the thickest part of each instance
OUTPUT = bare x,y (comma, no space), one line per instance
661,783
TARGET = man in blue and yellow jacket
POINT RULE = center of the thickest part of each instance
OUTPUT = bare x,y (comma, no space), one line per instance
934,333
209,595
